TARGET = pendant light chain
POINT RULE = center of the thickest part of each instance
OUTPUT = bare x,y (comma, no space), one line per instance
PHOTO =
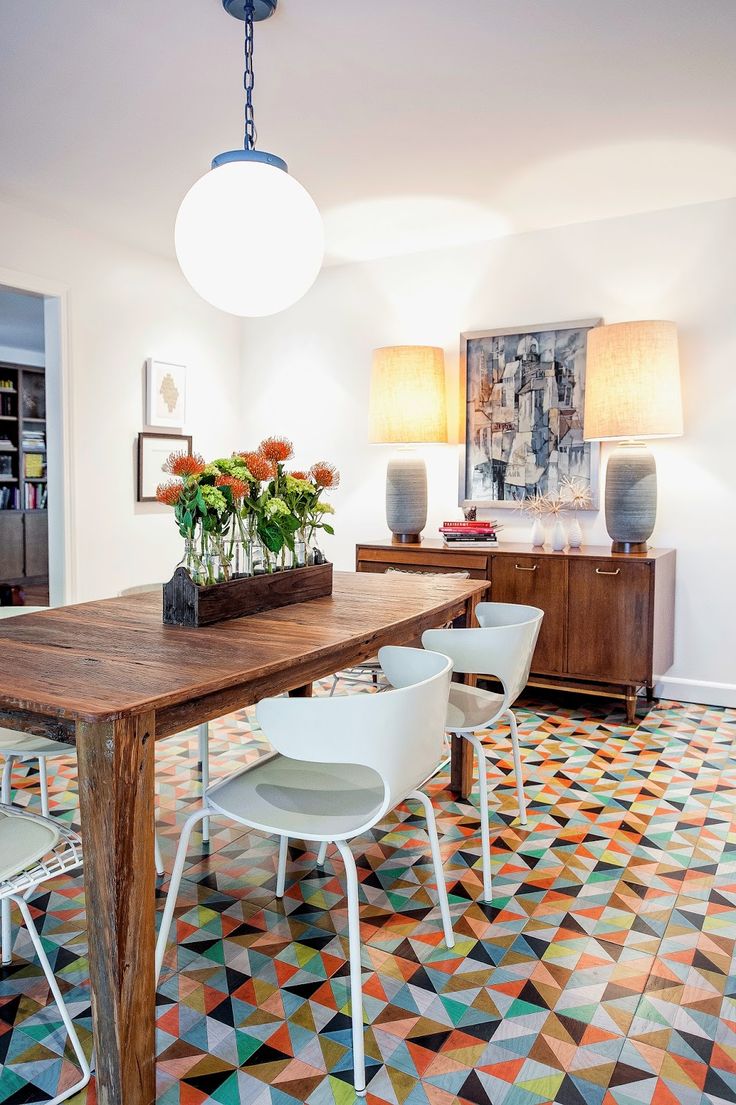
251,134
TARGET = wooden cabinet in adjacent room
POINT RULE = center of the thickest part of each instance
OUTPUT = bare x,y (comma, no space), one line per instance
608,617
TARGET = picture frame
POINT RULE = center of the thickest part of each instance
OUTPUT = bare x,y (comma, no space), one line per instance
522,394
166,394
153,450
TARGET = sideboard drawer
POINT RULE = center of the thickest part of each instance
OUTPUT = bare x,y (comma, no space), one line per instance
609,620
414,558
536,581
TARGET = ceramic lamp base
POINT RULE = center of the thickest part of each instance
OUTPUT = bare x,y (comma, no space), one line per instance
631,497
406,497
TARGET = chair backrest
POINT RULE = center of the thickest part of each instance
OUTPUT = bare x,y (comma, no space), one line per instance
399,733
13,611
503,646
141,589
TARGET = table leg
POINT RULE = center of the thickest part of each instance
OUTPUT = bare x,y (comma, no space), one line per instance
116,789
302,692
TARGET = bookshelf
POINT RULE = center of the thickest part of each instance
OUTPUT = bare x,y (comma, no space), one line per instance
23,480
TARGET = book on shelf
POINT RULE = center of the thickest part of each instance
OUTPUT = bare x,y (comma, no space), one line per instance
465,525
472,543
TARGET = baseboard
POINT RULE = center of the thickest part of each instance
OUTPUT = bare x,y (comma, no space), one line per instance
696,690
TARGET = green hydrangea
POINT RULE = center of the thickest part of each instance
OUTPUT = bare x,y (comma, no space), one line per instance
297,486
276,508
214,499
324,508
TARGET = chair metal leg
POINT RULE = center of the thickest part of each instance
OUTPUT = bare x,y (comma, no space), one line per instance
322,854
203,733
176,873
439,872
518,772
157,857
485,829
356,978
44,781
6,939
56,993
281,872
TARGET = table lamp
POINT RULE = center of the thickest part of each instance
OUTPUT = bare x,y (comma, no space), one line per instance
632,391
407,407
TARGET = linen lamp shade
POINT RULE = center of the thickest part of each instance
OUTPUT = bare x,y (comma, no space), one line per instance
632,391
632,387
407,401
407,406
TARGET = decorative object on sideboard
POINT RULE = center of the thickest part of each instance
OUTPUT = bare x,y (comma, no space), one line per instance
249,237
470,533
523,399
245,519
166,394
407,407
633,393
535,505
153,453
575,496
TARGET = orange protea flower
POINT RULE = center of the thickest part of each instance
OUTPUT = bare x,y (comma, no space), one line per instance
185,464
260,467
299,475
277,449
238,488
169,493
325,474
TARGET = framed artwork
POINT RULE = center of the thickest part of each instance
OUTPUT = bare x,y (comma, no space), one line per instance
153,450
523,401
166,394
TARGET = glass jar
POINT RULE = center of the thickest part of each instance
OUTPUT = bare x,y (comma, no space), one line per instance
192,561
241,558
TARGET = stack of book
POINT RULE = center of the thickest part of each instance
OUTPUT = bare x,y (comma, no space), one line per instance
472,534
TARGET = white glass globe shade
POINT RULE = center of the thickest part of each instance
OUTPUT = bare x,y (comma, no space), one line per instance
249,238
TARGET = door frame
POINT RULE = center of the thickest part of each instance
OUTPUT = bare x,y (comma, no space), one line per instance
59,429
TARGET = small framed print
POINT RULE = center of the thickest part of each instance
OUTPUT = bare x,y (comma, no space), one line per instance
166,394
153,452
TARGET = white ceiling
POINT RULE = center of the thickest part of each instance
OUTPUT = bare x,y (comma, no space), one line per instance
21,321
414,123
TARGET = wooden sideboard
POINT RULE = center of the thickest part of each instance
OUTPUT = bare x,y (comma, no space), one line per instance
608,624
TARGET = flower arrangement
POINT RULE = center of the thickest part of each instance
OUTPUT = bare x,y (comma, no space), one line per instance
245,514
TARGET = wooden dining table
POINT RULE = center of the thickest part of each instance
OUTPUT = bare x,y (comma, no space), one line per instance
109,677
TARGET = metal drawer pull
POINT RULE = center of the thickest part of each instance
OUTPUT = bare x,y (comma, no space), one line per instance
521,568
600,572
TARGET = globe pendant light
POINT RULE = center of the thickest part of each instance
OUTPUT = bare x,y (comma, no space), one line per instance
249,237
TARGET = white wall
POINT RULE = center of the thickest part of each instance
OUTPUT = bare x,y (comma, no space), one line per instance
124,305
306,373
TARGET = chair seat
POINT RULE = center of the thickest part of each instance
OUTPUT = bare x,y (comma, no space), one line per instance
471,708
295,798
23,842
17,744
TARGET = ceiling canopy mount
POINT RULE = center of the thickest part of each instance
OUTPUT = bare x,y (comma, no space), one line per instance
262,9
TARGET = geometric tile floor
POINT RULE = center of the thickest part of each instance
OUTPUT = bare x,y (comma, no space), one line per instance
602,974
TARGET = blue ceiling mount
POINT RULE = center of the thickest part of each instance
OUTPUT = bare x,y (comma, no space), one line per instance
263,9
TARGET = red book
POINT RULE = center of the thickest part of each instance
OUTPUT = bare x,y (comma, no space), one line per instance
468,525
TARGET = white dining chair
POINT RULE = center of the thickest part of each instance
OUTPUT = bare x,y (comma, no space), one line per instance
16,748
339,765
34,849
502,649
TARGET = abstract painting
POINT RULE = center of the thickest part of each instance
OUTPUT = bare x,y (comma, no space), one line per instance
166,394
524,400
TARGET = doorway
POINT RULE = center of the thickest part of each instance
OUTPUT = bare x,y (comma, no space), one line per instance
35,493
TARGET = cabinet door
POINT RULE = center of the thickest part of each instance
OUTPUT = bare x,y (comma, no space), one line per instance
37,543
537,581
609,620
11,544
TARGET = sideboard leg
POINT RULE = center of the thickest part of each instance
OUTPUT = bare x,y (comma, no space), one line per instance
650,693
631,705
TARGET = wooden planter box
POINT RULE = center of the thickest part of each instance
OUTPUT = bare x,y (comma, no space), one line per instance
187,603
